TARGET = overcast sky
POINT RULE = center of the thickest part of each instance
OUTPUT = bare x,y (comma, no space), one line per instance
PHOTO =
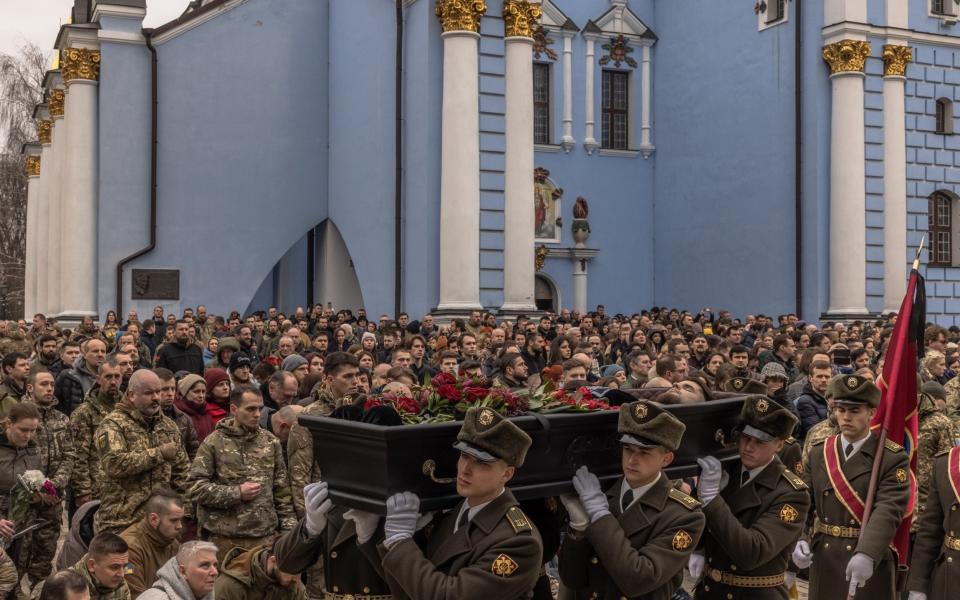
38,21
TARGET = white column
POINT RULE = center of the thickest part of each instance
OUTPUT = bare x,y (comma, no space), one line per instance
460,162
79,247
45,126
34,165
580,285
518,230
847,179
646,147
567,140
589,141
55,195
895,58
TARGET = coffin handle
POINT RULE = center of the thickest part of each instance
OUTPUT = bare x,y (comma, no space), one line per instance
721,438
544,433
429,467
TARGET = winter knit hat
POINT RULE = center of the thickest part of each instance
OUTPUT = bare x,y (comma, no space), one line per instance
293,361
366,335
188,382
611,370
213,377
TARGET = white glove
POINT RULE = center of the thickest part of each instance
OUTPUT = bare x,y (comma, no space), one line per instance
578,515
316,505
802,555
695,565
424,520
788,578
916,596
710,475
859,570
402,515
591,496
366,524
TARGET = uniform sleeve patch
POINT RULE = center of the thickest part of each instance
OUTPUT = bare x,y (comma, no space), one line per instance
794,480
682,540
518,520
504,566
686,500
789,514
901,475
798,468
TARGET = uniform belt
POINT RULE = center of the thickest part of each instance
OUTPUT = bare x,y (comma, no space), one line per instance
332,596
837,530
951,543
745,581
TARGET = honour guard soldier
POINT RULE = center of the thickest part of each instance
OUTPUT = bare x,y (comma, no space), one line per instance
792,453
844,555
633,539
935,564
486,547
755,512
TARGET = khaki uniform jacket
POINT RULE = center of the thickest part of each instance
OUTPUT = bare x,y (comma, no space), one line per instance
13,462
751,531
129,446
97,592
934,568
10,395
638,553
498,555
303,465
348,567
243,577
792,455
831,554
55,440
148,551
84,421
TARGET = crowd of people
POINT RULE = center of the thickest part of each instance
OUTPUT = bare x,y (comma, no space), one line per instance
170,446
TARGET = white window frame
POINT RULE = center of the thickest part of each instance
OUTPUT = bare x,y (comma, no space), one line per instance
764,16
950,11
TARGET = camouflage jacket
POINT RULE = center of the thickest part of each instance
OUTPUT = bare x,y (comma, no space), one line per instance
132,465
934,435
97,592
16,341
55,439
228,457
243,576
83,423
303,466
10,394
818,433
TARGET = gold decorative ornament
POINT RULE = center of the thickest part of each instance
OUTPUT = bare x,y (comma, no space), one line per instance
682,540
80,63
846,56
45,131
901,476
762,405
798,468
33,166
895,59
640,411
486,417
520,18
540,257
852,383
504,566
789,514
460,15
55,103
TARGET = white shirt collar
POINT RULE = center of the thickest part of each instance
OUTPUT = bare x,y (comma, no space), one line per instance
638,492
472,510
856,445
753,472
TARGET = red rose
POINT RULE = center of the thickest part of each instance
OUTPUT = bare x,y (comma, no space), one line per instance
372,403
441,379
448,391
475,394
408,405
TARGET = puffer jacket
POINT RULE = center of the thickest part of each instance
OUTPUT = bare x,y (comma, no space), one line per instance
170,585
73,385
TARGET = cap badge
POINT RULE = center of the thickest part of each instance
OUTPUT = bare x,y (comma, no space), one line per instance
852,383
682,540
738,383
640,411
762,405
486,417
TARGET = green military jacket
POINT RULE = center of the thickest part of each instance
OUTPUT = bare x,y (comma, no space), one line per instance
14,462
228,457
831,553
637,553
935,563
55,439
129,446
84,421
792,455
97,592
10,394
303,465
244,577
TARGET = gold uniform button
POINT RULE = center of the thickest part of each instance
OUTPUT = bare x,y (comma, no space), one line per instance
366,590
623,598
706,588
950,559
849,548
333,554
336,589
733,567
827,545
594,560
852,522
729,596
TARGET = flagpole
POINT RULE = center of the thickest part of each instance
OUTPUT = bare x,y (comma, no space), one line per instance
881,442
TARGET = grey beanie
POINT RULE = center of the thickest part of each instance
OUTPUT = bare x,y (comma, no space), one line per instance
292,362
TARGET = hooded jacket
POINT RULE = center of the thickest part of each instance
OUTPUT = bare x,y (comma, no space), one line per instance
202,422
170,585
149,552
78,538
97,592
13,462
226,343
73,385
244,577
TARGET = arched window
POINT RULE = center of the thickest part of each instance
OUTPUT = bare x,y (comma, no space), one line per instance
944,116
939,226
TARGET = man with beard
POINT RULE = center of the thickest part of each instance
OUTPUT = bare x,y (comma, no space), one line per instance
74,383
47,357
84,421
740,359
533,353
248,347
153,540
168,397
182,354
16,367
699,352
513,372
254,575
57,456
141,451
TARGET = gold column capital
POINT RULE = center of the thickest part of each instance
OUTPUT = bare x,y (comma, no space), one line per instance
45,131
895,59
55,103
80,63
521,18
33,166
846,56
460,15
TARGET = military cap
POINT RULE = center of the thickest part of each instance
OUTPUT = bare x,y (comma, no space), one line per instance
647,425
745,385
934,390
765,420
853,390
489,436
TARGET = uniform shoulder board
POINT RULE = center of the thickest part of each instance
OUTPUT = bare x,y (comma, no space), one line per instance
892,445
518,520
689,502
794,480
791,440
943,452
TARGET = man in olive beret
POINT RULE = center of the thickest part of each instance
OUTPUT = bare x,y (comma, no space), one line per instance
844,555
484,548
633,539
755,510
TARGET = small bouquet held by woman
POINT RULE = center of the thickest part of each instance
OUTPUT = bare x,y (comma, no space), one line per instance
31,487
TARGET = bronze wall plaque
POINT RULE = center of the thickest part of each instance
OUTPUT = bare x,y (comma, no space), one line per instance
156,284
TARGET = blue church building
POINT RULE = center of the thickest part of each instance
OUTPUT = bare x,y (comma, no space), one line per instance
446,155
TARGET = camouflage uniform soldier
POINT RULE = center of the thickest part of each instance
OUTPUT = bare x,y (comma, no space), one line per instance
84,422
934,435
239,480
57,456
935,565
254,575
820,432
140,451
15,367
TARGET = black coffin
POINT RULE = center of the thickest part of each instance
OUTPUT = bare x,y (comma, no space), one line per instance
365,464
